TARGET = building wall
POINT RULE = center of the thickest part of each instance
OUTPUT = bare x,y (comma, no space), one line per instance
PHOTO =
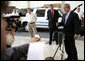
26,4
19,4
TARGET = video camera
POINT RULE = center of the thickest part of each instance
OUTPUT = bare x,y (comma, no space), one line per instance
10,21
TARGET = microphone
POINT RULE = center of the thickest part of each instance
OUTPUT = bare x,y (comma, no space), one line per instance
76,7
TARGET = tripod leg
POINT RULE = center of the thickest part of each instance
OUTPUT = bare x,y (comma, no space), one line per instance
56,51
62,54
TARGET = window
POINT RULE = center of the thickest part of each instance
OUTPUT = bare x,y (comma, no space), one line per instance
22,12
40,13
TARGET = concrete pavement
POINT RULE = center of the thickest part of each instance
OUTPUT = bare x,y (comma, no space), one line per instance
20,40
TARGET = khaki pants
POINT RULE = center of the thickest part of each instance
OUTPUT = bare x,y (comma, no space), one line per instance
32,29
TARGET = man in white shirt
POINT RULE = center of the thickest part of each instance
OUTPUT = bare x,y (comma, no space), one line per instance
81,21
31,18
80,14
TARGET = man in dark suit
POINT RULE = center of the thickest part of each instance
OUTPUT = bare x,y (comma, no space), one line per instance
52,16
71,30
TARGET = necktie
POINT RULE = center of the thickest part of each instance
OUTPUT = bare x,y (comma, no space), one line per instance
66,17
52,15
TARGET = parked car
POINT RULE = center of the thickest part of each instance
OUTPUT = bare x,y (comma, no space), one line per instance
41,13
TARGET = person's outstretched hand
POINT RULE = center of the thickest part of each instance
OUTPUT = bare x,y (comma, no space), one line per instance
35,39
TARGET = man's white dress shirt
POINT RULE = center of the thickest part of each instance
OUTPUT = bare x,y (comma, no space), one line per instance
31,17
80,14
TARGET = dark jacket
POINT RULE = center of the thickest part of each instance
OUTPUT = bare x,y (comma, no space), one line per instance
52,23
15,53
72,25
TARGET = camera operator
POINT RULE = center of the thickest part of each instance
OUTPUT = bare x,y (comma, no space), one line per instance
11,19
15,53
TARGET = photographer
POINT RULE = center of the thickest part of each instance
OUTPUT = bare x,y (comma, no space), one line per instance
15,53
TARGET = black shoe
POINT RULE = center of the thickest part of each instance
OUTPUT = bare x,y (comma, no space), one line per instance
50,43
67,59
53,40
56,43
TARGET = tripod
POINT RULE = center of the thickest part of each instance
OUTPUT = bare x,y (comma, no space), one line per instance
60,42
